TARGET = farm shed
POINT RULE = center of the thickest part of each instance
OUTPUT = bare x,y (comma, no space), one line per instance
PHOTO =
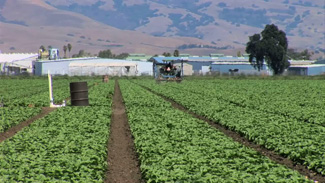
307,70
239,66
201,65
306,67
95,66
109,68
17,63
320,62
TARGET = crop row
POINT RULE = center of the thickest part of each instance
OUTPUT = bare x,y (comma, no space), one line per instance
68,145
11,85
18,109
25,92
11,116
35,92
300,99
301,142
175,147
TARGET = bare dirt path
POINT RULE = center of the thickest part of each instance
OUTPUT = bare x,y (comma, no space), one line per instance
241,139
13,130
123,164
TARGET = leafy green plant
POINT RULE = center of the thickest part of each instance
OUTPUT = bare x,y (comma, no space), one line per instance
261,111
68,145
175,147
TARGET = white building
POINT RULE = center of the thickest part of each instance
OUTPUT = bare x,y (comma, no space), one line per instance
93,66
17,63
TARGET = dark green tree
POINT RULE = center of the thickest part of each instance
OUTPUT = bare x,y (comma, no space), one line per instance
304,55
270,46
106,54
69,48
176,53
239,54
65,48
256,51
81,53
122,56
166,54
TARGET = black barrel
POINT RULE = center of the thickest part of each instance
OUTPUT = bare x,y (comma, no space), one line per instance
79,94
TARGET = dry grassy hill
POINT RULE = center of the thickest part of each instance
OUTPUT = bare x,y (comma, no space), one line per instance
156,26
34,23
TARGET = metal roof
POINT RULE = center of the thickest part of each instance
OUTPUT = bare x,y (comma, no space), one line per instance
320,61
163,60
14,57
109,64
202,59
301,62
70,59
219,59
307,66
231,63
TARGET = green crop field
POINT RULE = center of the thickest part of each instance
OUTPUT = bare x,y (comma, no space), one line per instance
70,144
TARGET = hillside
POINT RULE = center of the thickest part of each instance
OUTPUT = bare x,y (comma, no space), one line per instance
51,26
156,26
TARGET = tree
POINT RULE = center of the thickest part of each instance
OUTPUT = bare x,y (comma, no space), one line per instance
106,54
239,54
69,48
304,55
65,51
256,53
176,53
81,53
166,54
122,56
270,46
109,54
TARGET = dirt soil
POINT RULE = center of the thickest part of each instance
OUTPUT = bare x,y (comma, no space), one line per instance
123,164
15,129
241,139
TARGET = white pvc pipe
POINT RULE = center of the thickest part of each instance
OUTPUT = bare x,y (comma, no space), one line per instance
50,88
51,93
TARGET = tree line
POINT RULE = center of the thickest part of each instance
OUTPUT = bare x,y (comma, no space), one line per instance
101,54
83,53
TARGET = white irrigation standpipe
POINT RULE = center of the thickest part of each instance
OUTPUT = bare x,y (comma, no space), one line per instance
51,93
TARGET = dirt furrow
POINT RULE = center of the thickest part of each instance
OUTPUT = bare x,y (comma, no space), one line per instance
241,139
15,129
123,164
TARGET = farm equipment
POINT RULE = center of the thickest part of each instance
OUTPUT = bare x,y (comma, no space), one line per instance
51,54
168,70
